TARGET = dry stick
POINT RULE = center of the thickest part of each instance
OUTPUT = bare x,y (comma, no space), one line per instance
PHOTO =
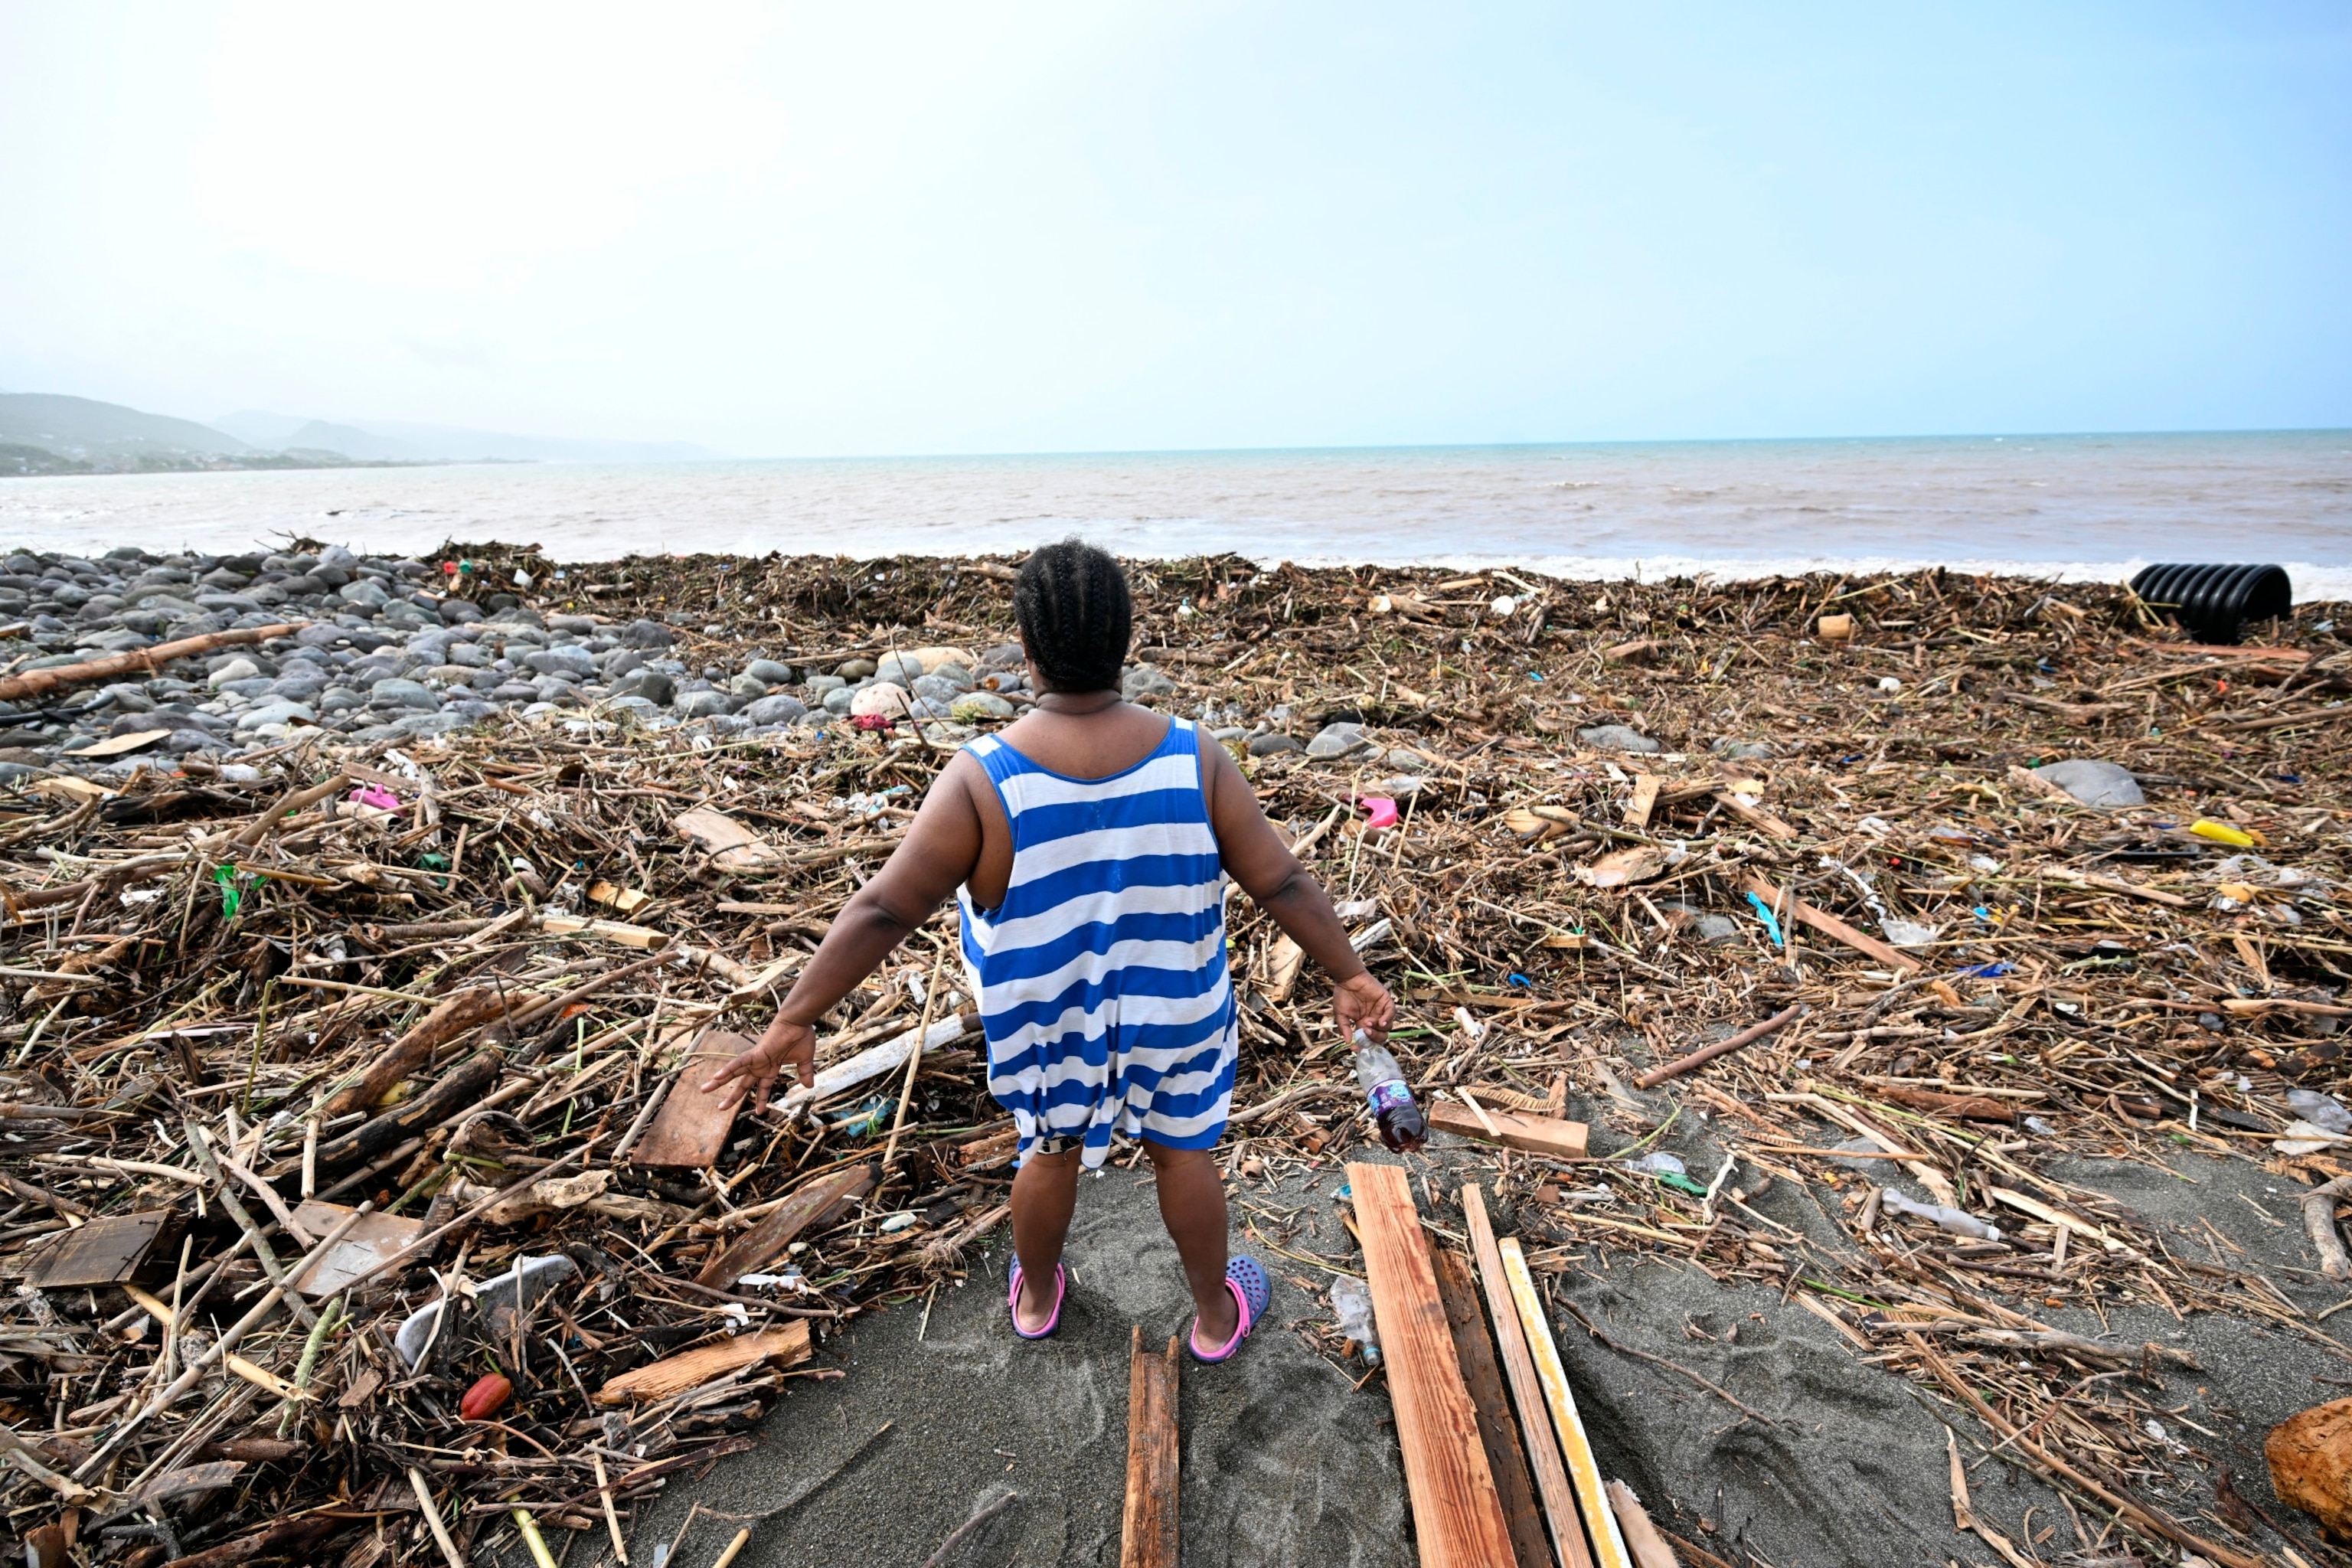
962,1531
2319,1220
2155,1524
1590,1328
416,1248
220,1348
1706,1054
237,1212
35,682
433,1518
914,1063
611,1519
288,805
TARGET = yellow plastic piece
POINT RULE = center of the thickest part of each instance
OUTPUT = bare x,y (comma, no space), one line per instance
2222,833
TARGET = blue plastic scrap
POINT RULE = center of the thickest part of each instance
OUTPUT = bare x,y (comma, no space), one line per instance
1771,924
1988,971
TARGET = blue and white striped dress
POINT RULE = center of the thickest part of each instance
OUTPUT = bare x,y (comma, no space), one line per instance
1102,980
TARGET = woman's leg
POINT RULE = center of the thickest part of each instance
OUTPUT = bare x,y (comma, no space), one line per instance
1044,1192
1193,1206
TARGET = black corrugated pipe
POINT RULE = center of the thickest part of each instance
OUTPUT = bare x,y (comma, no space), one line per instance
2212,602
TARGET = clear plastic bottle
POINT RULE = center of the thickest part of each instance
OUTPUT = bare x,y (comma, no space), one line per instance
1382,1081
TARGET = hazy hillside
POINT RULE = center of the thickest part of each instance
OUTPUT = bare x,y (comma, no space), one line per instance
82,427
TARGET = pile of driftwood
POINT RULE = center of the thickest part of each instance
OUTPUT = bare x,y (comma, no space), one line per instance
364,1193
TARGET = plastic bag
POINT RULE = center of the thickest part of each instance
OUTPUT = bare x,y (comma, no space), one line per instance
1351,1303
1953,1220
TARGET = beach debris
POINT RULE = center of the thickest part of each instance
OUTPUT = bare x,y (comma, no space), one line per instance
1148,1524
1351,1305
1958,1222
208,927
2310,1456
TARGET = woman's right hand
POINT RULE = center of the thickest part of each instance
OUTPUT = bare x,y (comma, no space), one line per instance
785,1043
1361,1002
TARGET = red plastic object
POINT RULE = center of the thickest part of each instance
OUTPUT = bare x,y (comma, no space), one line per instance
486,1398
1379,811
871,721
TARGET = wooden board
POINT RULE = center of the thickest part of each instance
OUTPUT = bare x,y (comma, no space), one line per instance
1583,1468
1541,1442
1475,1350
373,1239
690,1129
1513,1130
730,846
1457,1517
1147,1529
814,1203
690,1369
1644,801
108,1250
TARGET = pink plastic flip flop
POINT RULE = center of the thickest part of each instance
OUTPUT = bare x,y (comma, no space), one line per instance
1253,1292
1013,1305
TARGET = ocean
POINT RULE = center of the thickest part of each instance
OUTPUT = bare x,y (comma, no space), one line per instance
2069,507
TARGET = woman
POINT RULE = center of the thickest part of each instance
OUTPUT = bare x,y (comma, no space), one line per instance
1089,844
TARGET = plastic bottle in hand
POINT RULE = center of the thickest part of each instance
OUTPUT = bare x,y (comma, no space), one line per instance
1382,1081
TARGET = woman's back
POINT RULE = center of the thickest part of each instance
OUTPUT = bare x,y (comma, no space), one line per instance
1105,948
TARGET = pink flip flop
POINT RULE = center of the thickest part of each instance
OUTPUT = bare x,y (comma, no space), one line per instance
1012,1304
1253,1292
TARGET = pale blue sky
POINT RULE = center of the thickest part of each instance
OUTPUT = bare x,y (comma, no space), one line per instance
923,228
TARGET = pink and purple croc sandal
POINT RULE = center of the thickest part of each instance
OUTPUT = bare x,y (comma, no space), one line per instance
1252,1294
1012,1304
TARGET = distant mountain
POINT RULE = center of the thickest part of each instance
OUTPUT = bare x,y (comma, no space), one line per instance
399,441
46,433
85,429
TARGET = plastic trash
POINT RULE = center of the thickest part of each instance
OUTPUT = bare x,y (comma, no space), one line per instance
1953,1220
1393,1112
1771,924
499,1296
375,795
1379,813
1657,1162
2222,833
2212,602
1351,1303
2322,1110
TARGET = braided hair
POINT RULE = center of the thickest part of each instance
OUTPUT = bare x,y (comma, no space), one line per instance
1074,614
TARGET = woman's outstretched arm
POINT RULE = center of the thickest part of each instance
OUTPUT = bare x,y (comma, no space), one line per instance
938,854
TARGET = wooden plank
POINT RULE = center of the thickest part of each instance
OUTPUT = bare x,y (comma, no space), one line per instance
1644,801
1457,1517
108,1250
1591,1499
730,846
690,1129
1512,1129
1148,1530
372,1240
1829,925
815,1203
1475,1350
691,1369
1541,1444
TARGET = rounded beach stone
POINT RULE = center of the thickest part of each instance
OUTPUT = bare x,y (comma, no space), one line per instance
973,707
780,709
884,697
1342,739
1144,681
2095,783
1273,744
1617,738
